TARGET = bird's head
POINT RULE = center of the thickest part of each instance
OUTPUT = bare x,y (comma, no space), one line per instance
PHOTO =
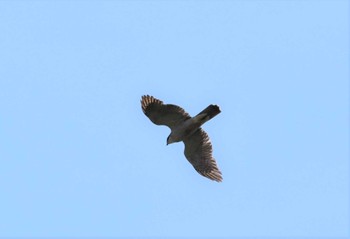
169,140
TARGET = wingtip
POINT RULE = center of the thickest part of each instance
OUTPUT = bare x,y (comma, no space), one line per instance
213,175
146,100
217,178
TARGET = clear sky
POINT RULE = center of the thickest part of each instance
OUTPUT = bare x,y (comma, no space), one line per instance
79,158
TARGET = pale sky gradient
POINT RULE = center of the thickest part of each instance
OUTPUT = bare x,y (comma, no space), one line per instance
79,158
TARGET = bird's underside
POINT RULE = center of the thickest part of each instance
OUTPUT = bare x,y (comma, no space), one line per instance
198,148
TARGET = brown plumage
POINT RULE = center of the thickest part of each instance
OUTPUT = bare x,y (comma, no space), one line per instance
198,148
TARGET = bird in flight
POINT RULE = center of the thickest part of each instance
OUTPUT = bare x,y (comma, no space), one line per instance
198,148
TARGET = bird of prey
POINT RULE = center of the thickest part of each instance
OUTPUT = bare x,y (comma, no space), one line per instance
198,149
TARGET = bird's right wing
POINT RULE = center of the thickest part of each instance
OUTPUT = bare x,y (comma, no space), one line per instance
198,151
162,114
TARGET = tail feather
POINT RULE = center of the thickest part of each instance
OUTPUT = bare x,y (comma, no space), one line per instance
210,112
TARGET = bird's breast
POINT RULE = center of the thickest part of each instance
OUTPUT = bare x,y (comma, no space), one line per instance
185,129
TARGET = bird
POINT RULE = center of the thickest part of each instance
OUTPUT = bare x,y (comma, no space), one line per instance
198,148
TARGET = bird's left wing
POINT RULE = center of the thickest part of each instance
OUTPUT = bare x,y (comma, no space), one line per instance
163,114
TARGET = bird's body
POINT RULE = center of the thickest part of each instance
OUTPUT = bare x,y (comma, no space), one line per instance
186,128
198,149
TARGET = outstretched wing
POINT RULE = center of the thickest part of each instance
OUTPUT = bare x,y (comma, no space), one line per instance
198,151
162,114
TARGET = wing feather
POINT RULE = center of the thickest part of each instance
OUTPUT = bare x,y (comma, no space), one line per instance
162,114
198,151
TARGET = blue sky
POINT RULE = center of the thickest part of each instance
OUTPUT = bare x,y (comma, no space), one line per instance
79,158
